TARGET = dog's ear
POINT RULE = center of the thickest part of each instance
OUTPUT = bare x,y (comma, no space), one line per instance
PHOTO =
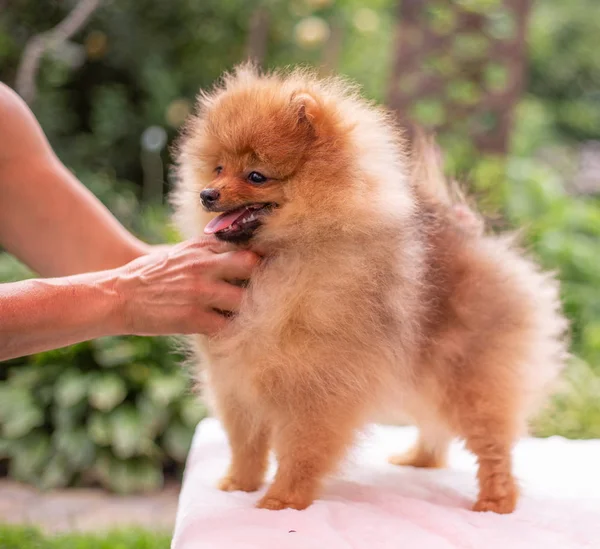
307,108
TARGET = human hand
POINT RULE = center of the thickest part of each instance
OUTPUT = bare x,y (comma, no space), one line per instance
182,289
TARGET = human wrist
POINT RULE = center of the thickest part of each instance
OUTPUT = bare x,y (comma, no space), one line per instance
41,314
137,248
106,305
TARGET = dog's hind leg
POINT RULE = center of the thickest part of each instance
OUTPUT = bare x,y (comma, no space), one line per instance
430,450
490,423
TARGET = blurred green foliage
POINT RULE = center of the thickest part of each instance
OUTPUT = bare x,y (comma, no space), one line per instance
115,411
118,411
565,66
563,232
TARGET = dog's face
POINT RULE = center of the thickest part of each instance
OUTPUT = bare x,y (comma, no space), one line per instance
249,149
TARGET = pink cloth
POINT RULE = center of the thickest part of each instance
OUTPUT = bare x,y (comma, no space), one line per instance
374,505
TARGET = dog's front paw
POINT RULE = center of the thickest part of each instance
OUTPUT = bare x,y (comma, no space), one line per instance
276,504
231,484
498,493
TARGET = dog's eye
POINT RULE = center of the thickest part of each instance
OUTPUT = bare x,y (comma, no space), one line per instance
256,178
218,169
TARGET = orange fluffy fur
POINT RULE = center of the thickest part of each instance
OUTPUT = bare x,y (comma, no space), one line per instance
372,303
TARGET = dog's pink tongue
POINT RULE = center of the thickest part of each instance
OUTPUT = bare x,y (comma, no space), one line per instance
223,221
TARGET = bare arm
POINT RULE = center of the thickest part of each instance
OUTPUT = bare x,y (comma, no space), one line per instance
41,314
47,218
174,291
57,227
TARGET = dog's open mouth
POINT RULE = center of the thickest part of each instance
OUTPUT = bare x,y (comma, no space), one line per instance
240,223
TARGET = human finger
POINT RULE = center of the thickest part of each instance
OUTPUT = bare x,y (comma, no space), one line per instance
235,265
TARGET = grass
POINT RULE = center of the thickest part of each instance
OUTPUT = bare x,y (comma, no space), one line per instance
22,537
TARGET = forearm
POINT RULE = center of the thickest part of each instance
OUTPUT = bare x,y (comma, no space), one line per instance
56,226
37,315
48,219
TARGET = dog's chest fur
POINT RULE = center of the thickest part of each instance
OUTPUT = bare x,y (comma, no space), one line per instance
316,322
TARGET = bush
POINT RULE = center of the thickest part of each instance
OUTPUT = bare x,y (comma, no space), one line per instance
563,232
114,411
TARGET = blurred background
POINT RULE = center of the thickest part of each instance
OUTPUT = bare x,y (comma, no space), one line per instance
512,87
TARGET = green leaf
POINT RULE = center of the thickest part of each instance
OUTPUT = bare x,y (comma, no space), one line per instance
106,391
138,373
22,471
429,112
71,388
19,414
100,428
111,352
463,92
143,476
57,473
177,441
27,377
166,388
44,396
29,456
127,435
133,475
62,357
77,448
192,410
154,417
69,418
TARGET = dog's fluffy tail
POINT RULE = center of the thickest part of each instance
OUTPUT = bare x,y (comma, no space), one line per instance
426,174
434,189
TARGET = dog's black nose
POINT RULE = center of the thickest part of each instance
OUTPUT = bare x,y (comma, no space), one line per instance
209,197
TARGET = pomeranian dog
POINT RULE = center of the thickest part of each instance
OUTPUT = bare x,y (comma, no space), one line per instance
378,296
